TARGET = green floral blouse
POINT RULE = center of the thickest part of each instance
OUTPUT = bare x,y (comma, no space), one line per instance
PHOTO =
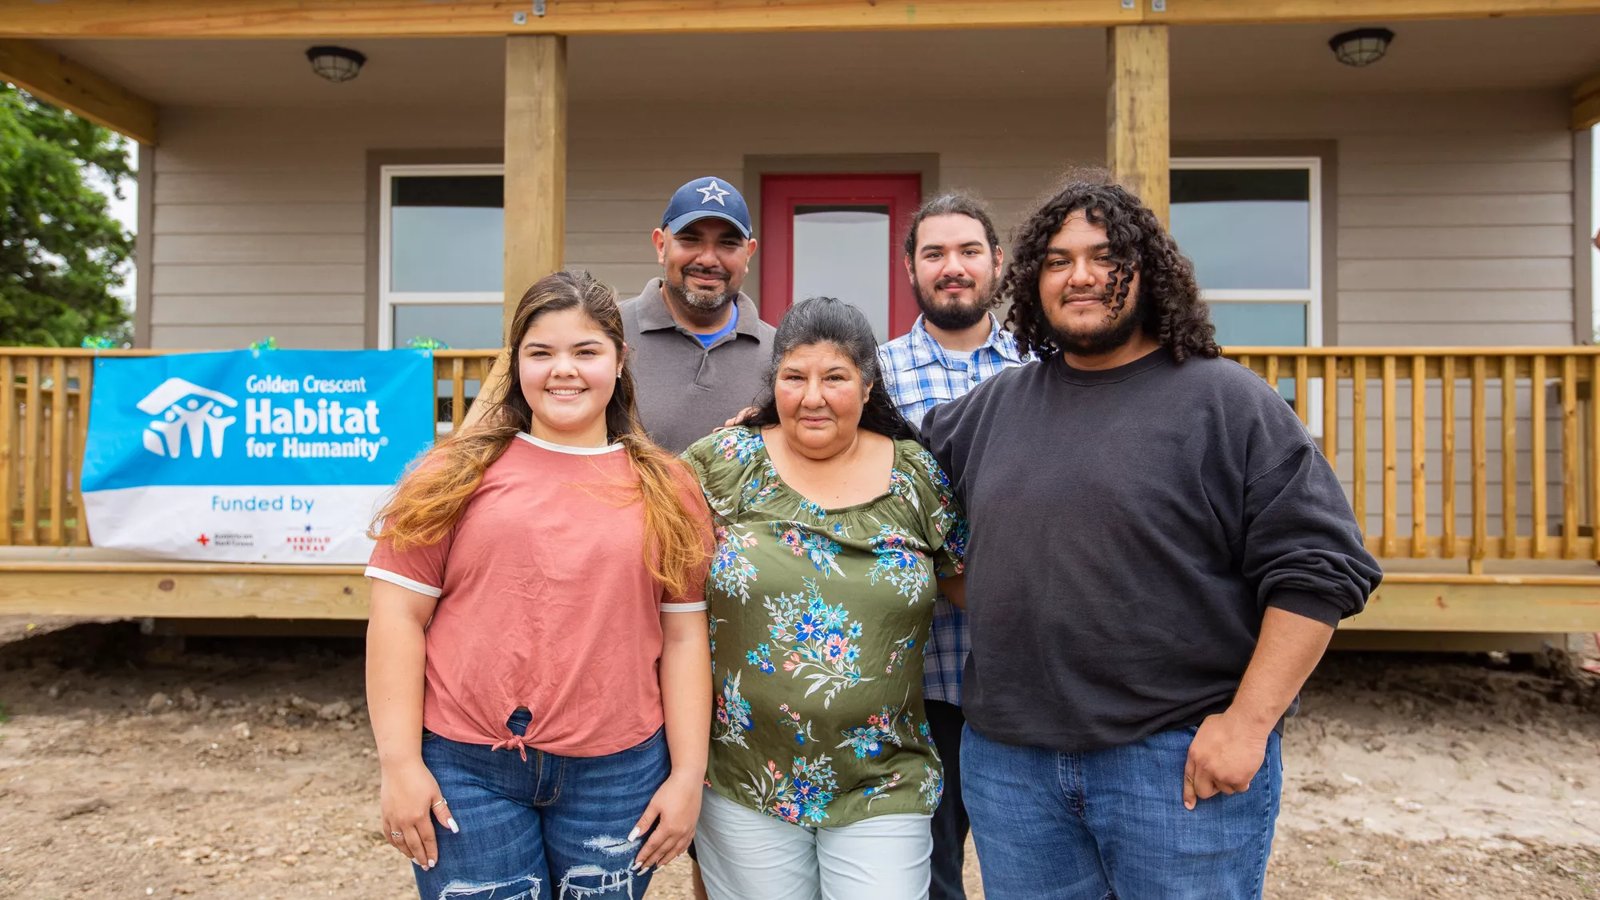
818,621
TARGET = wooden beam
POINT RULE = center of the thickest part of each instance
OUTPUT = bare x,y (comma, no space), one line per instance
1138,127
535,161
535,179
1257,12
426,18
1502,604
1586,104
58,80
315,19
185,591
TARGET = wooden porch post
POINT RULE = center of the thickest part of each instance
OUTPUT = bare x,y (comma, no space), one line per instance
535,179
536,161
1138,131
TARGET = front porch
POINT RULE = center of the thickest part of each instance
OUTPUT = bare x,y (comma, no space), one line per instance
1425,439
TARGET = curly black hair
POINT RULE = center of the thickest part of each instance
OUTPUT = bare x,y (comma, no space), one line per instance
1169,303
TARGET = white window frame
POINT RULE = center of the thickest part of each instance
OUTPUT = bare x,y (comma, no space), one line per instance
1312,295
388,298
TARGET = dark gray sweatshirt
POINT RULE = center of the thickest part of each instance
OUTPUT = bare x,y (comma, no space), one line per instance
1129,528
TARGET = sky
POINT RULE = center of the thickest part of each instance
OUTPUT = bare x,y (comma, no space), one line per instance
126,210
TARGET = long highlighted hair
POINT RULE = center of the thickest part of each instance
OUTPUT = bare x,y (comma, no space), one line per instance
432,497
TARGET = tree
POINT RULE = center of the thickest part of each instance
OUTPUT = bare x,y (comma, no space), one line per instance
61,253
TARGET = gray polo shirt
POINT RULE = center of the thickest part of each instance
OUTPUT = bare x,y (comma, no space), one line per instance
685,389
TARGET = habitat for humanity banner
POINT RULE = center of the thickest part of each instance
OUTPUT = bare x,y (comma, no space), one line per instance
275,456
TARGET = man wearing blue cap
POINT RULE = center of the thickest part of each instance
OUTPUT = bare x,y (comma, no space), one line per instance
698,347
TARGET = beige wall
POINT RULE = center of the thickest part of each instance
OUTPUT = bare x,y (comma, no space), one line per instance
1453,216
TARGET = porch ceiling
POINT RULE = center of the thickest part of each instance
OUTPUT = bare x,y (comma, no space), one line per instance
703,71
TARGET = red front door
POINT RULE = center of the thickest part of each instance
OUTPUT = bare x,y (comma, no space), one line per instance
839,236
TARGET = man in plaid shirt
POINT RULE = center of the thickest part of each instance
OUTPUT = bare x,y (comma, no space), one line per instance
952,257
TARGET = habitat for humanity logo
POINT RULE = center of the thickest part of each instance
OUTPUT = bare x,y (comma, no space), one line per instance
184,409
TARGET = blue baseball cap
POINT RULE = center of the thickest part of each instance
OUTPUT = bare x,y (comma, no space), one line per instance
707,197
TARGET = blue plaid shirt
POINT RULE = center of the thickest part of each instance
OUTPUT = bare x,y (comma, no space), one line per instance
920,375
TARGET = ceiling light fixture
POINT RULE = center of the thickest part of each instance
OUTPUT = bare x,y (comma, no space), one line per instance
337,64
1361,47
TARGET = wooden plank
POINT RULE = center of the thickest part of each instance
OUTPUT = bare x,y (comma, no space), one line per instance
1553,306
1570,454
535,161
1551,273
1330,411
1271,375
1508,452
1302,389
80,442
1456,209
1444,242
317,19
1242,12
458,392
1138,122
32,418
1480,459
280,278
1586,104
211,249
55,79
1503,604
58,450
1391,490
1358,441
1541,482
1447,448
1419,437
8,447
175,590
1432,178
1593,461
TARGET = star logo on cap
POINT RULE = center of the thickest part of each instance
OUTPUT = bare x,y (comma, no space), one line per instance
713,191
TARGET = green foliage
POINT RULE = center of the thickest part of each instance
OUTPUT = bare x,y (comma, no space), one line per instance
61,252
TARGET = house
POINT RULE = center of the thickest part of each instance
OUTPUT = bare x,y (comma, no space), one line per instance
1367,234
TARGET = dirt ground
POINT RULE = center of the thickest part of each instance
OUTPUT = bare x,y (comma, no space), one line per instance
244,768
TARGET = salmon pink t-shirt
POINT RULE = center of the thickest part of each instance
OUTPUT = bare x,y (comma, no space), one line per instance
545,602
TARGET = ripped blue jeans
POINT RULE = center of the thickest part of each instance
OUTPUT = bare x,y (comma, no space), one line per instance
548,828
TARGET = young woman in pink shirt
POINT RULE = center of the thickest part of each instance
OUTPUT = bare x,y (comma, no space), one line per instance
538,672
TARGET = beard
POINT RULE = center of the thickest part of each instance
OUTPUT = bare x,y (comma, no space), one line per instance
705,301
953,316
1103,338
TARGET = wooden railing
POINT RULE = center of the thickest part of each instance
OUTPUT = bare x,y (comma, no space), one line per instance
1424,439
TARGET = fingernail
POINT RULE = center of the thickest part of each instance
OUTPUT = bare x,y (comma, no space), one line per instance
431,863
634,834
451,824
416,862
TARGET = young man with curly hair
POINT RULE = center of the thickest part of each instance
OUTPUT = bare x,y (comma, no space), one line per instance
1159,556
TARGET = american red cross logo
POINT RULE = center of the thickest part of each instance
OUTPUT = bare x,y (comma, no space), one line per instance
202,540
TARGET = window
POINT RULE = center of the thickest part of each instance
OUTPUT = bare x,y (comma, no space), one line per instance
440,266
1253,228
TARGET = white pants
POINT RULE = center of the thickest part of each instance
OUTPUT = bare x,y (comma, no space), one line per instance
747,855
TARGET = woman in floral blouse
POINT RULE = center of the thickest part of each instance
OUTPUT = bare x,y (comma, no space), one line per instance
832,524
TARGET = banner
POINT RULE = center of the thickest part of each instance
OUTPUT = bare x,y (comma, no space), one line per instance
246,456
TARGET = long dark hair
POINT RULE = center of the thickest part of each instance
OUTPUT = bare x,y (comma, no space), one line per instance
1169,303
826,320
433,496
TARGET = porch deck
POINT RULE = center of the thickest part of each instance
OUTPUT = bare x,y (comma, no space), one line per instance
1475,470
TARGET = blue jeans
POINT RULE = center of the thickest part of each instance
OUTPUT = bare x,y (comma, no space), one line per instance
543,828
1111,823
